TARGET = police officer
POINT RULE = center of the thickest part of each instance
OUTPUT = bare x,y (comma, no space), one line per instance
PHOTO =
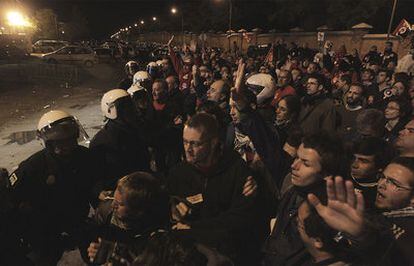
121,143
131,67
51,190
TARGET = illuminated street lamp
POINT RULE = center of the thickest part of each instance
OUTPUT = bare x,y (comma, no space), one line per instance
142,22
15,18
174,11
136,25
154,18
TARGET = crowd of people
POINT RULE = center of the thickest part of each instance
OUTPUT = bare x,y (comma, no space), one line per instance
212,157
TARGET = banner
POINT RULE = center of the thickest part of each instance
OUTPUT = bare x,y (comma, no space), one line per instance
270,57
403,29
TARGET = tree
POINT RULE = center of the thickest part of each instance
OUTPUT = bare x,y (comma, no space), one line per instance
46,23
77,28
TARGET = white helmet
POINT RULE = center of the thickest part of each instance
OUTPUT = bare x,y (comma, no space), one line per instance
57,124
262,85
108,102
152,64
133,89
131,67
141,76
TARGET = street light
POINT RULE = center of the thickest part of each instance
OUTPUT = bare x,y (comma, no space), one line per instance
136,25
15,18
142,22
154,18
174,11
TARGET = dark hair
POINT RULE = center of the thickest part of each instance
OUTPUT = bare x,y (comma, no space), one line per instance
387,72
163,83
293,105
374,146
403,103
329,148
319,77
143,195
205,123
316,227
294,136
167,248
213,108
372,119
288,75
401,77
346,78
371,72
318,68
407,162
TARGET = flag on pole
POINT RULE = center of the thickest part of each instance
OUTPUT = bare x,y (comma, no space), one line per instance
402,29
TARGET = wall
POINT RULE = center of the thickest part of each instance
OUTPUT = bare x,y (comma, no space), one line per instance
359,39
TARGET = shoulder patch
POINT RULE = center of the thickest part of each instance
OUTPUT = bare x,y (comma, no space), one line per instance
13,179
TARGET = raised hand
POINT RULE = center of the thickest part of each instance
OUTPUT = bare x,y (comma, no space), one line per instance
170,41
236,92
345,209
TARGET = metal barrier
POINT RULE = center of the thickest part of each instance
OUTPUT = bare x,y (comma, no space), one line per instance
53,72
40,72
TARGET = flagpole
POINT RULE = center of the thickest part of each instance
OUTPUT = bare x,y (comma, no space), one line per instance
394,7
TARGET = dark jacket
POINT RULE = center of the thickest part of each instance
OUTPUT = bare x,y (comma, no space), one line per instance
130,240
121,151
284,246
225,219
318,113
388,238
52,196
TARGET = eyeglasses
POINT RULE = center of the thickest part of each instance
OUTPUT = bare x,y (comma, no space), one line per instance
391,182
195,144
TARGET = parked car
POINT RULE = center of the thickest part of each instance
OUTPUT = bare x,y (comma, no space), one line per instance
107,55
48,46
72,55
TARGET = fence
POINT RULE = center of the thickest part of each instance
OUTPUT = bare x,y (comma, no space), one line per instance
40,73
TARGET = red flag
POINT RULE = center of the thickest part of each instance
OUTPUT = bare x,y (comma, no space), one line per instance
402,29
270,58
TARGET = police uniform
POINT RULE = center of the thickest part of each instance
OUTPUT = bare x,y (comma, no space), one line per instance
52,197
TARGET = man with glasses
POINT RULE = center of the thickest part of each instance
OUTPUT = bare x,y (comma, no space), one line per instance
318,111
208,192
384,239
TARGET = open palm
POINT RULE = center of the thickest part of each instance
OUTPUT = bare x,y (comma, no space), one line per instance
345,209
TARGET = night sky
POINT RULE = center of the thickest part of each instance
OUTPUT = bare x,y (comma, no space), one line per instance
107,16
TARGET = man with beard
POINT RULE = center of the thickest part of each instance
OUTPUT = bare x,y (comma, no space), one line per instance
353,105
120,144
52,189
380,239
318,156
